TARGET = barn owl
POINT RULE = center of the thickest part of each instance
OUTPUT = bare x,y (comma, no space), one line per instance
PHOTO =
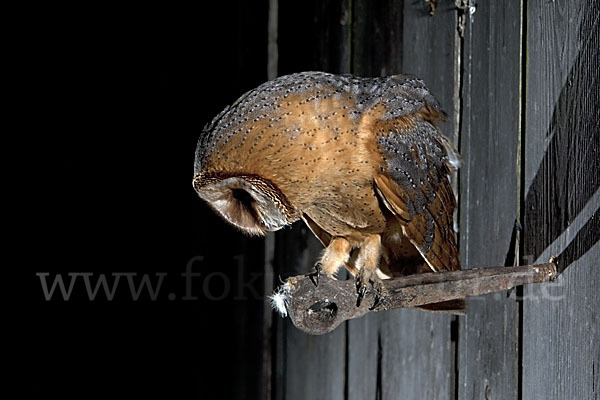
359,160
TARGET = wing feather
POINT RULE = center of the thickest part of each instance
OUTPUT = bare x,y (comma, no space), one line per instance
415,187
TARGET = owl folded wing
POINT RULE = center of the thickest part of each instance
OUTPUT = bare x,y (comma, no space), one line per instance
414,185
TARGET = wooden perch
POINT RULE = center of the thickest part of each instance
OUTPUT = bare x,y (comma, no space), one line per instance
320,309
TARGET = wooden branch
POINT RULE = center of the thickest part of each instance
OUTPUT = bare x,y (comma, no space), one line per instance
320,309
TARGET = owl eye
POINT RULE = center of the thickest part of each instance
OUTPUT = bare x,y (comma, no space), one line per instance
236,201
245,202
245,205
242,196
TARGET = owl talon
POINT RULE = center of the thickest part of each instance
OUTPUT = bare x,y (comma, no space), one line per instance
379,300
314,276
365,278
361,293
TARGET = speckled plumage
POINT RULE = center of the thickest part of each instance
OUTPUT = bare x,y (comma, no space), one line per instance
360,160
400,95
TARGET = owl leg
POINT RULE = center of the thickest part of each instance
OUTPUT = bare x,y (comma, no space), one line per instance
367,262
334,256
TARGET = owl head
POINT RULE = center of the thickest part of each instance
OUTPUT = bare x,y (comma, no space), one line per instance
249,202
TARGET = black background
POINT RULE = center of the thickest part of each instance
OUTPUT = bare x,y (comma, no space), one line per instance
121,96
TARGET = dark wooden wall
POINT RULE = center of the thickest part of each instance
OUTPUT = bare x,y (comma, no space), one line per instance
487,353
512,77
560,325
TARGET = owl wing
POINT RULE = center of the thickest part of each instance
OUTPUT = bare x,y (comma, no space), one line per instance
414,185
323,236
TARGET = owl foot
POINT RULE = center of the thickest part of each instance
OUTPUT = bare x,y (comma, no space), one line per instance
365,277
314,276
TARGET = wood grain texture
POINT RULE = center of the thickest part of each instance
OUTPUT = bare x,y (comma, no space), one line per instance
488,340
417,360
561,346
430,47
417,355
363,335
419,364
312,36
413,354
377,30
306,366
320,309
404,353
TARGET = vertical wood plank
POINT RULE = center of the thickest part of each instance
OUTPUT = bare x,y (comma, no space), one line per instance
376,51
430,50
417,356
312,367
377,37
403,353
426,351
561,350
488,334
312,35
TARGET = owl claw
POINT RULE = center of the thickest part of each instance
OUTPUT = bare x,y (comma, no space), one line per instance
361,293
314,276
379,300
363,279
